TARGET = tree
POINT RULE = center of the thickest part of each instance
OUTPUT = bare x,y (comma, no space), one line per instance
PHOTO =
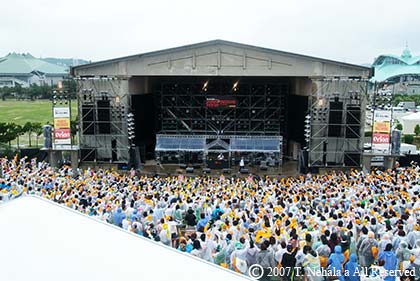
19,91
37,129
28,128
18,131
73,129
5,134
408,139
417,130
399,126
8,132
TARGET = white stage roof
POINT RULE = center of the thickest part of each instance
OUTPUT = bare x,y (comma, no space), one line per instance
41,240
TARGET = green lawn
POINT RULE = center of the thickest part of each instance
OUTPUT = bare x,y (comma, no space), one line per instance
20,112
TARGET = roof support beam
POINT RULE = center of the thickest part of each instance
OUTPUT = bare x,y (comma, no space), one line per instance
219,58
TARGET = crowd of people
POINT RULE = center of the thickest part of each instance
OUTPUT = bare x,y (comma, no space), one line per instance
340,225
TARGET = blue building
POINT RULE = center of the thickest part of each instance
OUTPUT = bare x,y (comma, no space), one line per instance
394,68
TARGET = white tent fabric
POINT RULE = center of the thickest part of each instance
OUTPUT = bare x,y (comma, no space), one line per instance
409,122
41,240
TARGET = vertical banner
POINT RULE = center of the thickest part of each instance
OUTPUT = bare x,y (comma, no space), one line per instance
381,131
62,133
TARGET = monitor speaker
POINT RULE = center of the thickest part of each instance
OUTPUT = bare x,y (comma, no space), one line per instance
207,170
244,171
226,171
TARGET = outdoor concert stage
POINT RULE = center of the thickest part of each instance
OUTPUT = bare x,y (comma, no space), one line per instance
219,104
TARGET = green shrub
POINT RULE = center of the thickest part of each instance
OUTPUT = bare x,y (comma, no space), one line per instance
417,130
408,139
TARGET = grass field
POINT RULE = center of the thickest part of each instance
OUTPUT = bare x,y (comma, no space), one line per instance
20,112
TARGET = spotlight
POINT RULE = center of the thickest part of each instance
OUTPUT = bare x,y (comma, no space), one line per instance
321,103
235,86
130,126
205,86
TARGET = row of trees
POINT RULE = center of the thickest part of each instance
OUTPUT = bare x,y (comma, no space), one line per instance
399,98
12,131
36,92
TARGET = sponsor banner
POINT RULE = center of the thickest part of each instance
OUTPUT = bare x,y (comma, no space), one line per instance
61,112
378,138
61,134
63,141
381,147
382,115
381,131
382,127
61,123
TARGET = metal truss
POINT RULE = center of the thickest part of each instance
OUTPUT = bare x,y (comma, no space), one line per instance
98,144
220,144
260,107
337,108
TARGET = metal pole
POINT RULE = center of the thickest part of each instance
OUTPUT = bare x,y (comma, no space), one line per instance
375,89
391,103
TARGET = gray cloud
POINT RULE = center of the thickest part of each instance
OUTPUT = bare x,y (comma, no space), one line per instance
353,31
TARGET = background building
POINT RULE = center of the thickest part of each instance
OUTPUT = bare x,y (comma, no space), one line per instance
25,70
403,71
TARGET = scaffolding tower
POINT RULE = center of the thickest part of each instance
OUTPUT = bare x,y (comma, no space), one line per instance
336,122
103,106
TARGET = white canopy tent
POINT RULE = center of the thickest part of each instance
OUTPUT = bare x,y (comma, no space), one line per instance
45,241
409,122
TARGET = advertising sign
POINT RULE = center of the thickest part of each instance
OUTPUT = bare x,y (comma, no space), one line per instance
62,123
62,133
381,131
220,103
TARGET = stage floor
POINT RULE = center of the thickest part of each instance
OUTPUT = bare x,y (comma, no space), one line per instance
289,168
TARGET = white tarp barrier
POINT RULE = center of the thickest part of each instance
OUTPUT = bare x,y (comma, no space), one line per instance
47,242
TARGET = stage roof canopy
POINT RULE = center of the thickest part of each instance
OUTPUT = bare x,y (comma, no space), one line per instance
220,58
45,241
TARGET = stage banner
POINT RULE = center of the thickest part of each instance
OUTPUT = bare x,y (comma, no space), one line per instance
62,133
381,131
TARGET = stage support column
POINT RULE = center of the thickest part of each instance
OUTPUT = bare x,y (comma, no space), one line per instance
367,163
55,158
389,162
74,156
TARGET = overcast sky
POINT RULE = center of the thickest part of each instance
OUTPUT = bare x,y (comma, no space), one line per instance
353,31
